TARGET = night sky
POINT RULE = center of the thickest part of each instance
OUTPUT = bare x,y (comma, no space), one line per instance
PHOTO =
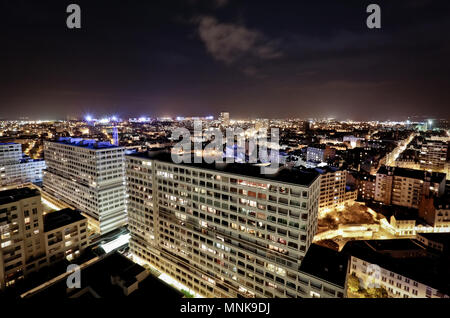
251,58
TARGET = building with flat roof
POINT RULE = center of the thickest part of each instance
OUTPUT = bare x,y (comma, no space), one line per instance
112,276
22,248
406,187
320,153
333,188
403,267
65,234
29,240
10,152
323,273
17,169
433,155
222,230
437,241
90,176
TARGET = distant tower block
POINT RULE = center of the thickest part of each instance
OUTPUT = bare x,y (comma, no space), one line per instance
225,118
115,136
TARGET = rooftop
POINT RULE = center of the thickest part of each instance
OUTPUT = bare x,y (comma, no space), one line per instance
85,143
96,282
412,173
8,143
13,195
294,175
326,264
328,169
442,202
61,218
400,212
443,238
406,257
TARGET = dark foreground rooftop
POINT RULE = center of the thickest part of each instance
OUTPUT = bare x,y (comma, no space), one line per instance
13,195
440,238
96,282
326,264
61,218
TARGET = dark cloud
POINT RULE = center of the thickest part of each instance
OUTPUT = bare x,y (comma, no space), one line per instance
231,43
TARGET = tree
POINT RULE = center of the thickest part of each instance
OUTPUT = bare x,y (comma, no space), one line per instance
377,293
353,283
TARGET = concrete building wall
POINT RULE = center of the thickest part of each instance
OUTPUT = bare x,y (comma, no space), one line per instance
221,234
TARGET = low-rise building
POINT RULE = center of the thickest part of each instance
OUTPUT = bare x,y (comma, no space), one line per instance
403,268
323,273
27,238
112,276
65,234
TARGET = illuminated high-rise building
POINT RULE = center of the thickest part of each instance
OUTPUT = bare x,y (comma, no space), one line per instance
433,155
17,169
90,176
407,187
223,231
225,118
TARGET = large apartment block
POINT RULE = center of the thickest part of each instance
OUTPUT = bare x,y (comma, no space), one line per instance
10,152
17,169
222,230
30,240
320,153
366,187
22,248
433,155
333,190
90,176
406,187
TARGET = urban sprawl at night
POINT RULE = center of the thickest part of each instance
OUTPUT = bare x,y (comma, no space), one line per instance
240,158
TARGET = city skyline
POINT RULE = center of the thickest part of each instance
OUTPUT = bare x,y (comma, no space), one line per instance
229,149
203,57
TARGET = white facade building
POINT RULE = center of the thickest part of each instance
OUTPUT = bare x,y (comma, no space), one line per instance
10,153
15,169
88,175
403,267
222,231
406,187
